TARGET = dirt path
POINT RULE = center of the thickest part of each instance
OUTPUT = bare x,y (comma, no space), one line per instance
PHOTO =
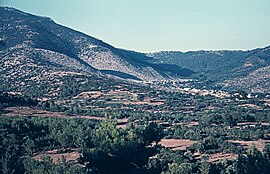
259,143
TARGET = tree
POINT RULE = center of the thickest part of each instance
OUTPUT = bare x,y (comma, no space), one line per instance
241,165
255,160
176,168
188,154
120,150
29,146
204,167
152,132
266,154
140,97
47,166
252,162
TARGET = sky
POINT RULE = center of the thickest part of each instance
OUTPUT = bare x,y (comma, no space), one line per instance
155,25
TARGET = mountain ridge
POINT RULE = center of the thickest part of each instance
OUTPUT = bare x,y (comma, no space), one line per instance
43,42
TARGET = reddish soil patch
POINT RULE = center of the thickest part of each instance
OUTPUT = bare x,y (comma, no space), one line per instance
253,123
56,156
31,111
36,112
251,106
160,122
176,144
122,123
188,124
165,123
220,156
213,158
267,102
157,103
259,144
89,94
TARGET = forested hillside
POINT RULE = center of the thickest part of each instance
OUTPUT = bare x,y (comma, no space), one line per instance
233,70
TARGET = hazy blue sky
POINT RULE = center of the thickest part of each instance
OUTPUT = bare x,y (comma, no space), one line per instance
152,25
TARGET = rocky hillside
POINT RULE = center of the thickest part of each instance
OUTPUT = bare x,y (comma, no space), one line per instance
41,39
257,81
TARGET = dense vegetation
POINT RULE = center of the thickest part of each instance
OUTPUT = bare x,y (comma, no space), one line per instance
7,100
105,148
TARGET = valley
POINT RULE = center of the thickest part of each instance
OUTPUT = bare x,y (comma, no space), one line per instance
71,103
